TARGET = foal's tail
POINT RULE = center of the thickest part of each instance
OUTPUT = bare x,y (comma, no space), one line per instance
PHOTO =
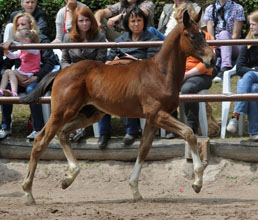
44,85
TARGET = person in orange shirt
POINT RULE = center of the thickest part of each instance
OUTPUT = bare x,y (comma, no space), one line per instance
197,77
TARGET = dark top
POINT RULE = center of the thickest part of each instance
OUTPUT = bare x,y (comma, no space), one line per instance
39,16
48,60
247,60
138,52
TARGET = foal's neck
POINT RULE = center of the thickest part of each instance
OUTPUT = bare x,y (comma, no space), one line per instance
171,59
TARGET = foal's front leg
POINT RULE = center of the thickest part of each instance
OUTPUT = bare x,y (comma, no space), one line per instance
169,123
144,148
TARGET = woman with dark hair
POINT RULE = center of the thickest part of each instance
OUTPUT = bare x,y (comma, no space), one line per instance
84,29
110,19
135,23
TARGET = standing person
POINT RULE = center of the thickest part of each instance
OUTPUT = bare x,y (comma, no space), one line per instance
110,19
247,69
48,61
167,20
84,29
64,19
135,24
30,62
30,7
224,22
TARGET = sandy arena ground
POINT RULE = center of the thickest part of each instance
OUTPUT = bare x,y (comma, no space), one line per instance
101,191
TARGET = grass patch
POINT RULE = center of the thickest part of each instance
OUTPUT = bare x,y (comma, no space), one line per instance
21,115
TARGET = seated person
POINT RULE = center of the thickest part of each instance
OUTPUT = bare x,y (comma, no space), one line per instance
167,20
48,61
135,23
113,27
224,22
30,7
30,62
64,19
247,68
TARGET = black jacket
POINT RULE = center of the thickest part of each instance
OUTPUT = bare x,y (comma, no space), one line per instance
48,60
247,60
39,16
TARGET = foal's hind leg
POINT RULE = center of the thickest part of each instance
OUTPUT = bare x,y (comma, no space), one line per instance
85,118
166,121
144,148
39,147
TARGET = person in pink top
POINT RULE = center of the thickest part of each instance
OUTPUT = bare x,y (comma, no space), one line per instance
30,62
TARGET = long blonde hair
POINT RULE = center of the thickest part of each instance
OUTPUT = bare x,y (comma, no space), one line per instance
254,17
33,24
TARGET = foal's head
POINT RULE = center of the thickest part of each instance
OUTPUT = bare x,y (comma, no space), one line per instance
193,43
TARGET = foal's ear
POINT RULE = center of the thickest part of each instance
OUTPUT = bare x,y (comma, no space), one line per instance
186,18
198,16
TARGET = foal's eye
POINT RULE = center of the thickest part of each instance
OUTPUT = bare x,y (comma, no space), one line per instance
192,37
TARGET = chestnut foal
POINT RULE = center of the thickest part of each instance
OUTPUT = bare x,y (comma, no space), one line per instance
85,91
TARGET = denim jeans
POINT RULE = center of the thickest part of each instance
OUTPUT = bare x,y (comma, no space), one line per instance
248,84
132,125
252,112
36,111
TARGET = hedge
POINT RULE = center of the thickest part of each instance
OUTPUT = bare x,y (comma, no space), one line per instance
52,6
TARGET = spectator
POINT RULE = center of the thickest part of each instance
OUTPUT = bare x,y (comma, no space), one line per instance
110,19
84,29
29,6
197,76
247,69
135,23
48,61
224,21
30,62
64,19
167,21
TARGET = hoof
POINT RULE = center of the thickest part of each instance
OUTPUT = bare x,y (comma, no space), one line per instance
137,198
30,199
196,188
65,185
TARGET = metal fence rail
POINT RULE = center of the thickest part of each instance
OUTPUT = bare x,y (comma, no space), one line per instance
121,44
182,98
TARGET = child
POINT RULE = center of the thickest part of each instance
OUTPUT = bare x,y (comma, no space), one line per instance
30,62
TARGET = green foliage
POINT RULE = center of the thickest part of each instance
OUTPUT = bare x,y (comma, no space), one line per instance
51,7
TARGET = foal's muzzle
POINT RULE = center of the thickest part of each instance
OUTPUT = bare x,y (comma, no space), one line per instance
210,62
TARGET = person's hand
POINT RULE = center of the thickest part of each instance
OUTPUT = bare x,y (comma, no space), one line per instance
72,4
99,25
27,81
111,22
6,46
126,55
